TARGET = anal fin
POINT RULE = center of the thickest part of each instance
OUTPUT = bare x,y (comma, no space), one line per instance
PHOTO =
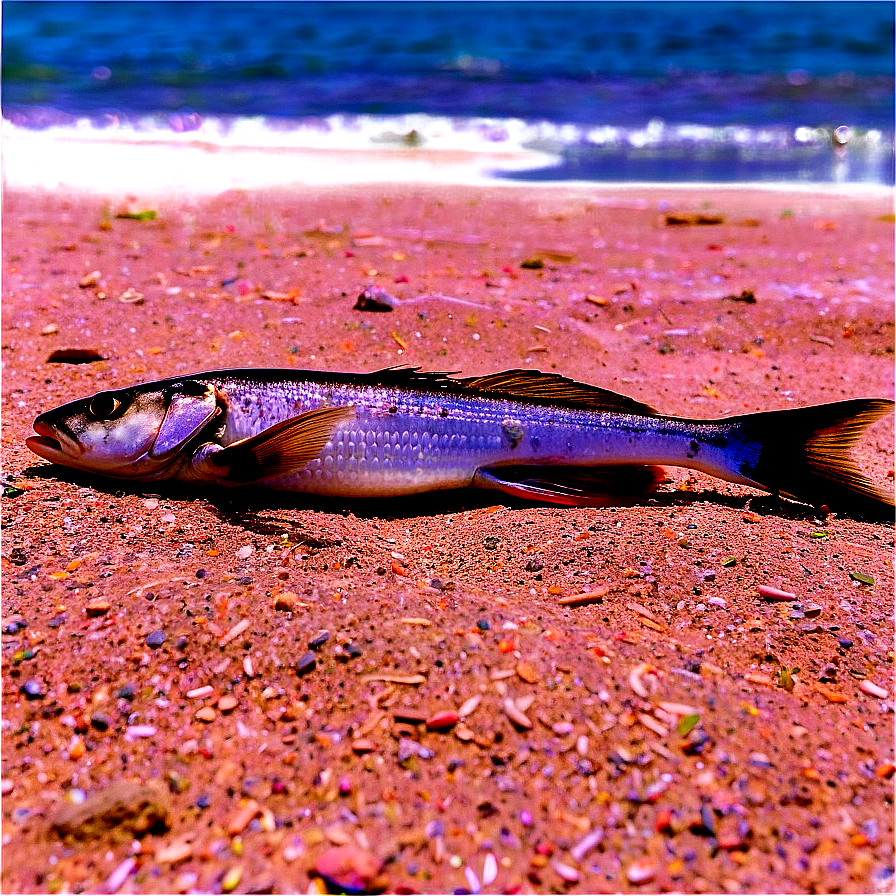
572,486
283,448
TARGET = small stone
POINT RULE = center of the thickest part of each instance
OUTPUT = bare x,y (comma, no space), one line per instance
90,280
6,787
245,814
566,872
363,745
442,721
286,601
132,806
33,689
527,672
49,330
874,690
245,552
228,703
319,640
206,714
516,715
231,879
155,639
100,721
306,664
173,853
98,607
640,872
349,869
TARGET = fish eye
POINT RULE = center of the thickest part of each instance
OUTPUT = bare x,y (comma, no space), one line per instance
105,406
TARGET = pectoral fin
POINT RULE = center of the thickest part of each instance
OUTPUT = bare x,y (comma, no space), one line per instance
572,486
282,449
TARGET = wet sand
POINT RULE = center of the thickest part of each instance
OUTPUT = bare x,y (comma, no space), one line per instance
642,739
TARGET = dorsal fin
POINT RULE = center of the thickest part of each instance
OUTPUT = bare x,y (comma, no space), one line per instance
532,386
551,388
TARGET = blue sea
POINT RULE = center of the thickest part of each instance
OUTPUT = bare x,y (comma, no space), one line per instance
719,92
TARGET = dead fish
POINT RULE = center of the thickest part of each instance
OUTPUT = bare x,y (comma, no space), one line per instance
402,431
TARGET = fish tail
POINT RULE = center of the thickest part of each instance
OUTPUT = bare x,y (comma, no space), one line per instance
804,453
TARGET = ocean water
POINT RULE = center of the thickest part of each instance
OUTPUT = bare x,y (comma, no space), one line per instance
774,92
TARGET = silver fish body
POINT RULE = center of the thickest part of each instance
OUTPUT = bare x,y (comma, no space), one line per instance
402,441
400,431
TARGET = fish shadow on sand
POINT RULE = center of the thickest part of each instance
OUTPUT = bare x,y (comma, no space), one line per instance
257,509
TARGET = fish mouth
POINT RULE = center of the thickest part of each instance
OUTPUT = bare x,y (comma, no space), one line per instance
52,444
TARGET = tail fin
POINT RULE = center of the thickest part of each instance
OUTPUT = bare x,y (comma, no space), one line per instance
805,454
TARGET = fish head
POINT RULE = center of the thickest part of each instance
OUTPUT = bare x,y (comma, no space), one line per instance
133,433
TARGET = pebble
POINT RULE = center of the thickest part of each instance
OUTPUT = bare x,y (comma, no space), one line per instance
527,672
286,601
566,872
319,640
130,805
231,879
348,868
306,664
173,853
442,721
98,607
245,552
228,703
641,872
132,732
6,787
516,715
869,687
33,689
586,844
363,745
90,280
244,816
204,691
156,639
116,879
100,721
468,707
206,714
489,870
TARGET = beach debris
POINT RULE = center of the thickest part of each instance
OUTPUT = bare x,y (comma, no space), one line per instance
147,214
786,678
768,592
699,220
637,679
350,869
863,577
75,356
587,597
133,806
533,263
88,281
375,298
132,297
746,296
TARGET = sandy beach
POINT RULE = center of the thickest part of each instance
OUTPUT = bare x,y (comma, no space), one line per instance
244,692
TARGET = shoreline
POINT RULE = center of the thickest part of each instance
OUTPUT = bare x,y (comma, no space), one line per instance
564,699
196,164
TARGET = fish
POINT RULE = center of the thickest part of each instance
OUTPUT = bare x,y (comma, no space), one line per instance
403,430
